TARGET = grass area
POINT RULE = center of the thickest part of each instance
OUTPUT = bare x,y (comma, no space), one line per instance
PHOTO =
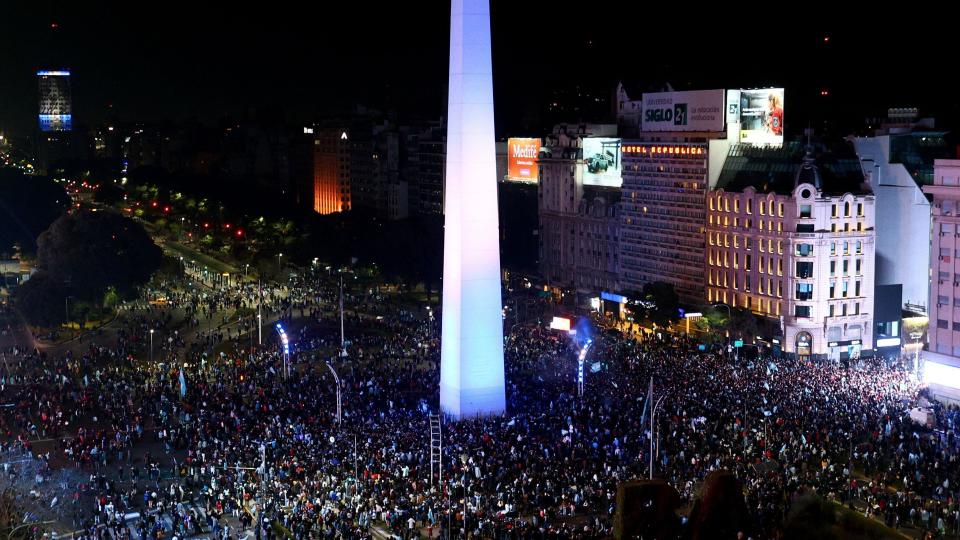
194,255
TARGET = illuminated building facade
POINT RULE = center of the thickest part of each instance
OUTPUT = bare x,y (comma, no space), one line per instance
55,100
662,214
331,171
471,372
792,239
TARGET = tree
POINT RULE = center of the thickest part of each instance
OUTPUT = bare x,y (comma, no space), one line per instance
661,302
41,300
92,251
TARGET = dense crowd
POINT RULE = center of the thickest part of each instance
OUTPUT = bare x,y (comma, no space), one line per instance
219,441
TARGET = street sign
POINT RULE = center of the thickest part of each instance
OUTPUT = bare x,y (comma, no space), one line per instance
738,343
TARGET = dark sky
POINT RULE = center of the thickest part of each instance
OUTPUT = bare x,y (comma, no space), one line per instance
177,59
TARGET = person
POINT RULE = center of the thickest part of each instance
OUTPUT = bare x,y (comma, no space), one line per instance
775,115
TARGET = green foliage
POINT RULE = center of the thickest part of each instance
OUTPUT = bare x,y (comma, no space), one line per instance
663,303
92,251
42,300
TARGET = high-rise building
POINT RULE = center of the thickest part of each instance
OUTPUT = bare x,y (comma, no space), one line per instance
56,106
666,176
331,170
944,332
898,162
431,149
791,237
578,208
471,347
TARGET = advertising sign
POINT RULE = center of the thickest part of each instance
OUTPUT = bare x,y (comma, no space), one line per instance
733,106
522,159
602,162
761,117
700,110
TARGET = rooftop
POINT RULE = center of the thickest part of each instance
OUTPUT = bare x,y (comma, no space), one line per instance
778,169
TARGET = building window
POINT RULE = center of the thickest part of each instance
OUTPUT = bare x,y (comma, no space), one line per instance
856,308
748,260
857,265
833,210
942,324
846,285
747,242
843,309
846,247
802,311
736,206
749,206
833,289
763,208
942,300
856,289
831,310
846,266
860,209
804,291
805,211
833,267
804,269
779,209
846,209
779,289
804,250
859,247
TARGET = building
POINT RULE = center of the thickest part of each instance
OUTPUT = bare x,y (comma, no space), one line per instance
665,181
791,238
56,104
577,207
431,151
331,170
898,163
944,332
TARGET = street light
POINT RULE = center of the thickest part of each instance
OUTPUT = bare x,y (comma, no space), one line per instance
336,380
151,345
278,262
916,358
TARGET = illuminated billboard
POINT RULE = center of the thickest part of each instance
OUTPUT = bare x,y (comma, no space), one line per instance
522,159
560,323
602,162
761,117
700,110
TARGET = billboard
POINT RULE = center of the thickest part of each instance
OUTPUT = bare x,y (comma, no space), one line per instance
602,162
761,116
700,110
522,159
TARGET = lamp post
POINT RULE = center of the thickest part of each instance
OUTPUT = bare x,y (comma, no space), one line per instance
916,357
245,267
279,255
66,308
336,380
151,345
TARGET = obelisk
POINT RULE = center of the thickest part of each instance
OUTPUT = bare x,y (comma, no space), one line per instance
471,350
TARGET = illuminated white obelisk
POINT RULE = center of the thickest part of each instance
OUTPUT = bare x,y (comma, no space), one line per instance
471,372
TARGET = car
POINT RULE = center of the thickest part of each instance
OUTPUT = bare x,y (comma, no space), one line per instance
599,162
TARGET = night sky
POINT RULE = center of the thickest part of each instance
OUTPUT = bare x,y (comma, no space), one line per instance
182,60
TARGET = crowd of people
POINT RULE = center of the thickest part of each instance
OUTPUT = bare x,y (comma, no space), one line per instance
217,440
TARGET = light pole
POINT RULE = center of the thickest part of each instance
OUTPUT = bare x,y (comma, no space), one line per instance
279,269
66,308
336,380
343,342
245,267
259,314
916,357
151,345
653,415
